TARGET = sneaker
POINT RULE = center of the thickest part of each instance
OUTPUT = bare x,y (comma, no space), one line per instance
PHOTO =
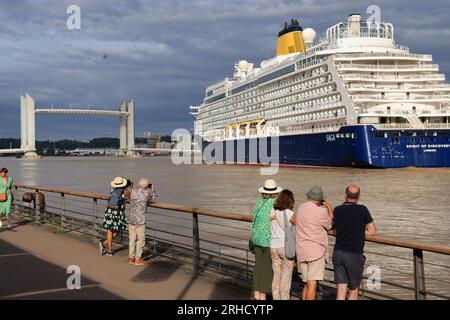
100,247
109,254
9,226
131,260
139,262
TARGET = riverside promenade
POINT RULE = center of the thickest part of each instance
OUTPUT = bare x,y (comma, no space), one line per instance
34,260
193,253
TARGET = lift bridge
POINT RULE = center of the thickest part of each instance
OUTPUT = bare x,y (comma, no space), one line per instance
28,125
126,128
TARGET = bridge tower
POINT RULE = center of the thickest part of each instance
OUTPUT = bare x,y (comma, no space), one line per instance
27,125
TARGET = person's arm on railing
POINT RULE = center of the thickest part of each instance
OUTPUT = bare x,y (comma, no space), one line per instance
371,229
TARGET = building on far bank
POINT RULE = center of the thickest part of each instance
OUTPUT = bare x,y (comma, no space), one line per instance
163,145
93,152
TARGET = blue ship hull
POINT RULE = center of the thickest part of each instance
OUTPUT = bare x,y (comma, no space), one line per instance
361,146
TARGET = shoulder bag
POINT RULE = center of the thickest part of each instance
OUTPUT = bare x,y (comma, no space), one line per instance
289,238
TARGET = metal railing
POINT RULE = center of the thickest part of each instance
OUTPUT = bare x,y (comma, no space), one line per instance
215,243
411,67
381,54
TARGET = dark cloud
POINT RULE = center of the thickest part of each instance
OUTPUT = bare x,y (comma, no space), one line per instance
163,53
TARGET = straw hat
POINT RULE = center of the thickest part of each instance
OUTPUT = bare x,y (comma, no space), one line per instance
118,182
270,187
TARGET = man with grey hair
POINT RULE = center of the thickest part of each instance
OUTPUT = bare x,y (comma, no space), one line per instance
352,222
139,198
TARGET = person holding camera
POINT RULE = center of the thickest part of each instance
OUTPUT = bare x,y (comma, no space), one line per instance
313,219
140,196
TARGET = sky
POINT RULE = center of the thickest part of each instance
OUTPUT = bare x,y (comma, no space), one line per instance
164,53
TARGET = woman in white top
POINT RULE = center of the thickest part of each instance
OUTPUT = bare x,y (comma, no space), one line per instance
282,267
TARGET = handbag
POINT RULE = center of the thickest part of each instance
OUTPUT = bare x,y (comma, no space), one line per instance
251,245
289,238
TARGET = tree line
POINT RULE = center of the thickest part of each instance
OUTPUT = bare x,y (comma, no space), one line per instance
49,147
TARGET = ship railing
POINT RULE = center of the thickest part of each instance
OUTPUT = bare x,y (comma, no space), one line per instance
386,67
382,54
389,77
401,47
215,243
410,126
437,125
411,97
394,126
403,88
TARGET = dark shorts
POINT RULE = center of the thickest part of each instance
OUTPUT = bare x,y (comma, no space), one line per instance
348,268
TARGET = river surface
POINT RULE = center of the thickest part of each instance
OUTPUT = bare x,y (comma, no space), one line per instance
409,203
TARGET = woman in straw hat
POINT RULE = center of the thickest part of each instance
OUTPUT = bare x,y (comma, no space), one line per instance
263,273
114,220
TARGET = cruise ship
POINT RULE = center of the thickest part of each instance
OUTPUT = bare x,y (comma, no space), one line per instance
354,98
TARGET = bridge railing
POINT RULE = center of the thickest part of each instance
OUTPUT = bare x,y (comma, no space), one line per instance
215,243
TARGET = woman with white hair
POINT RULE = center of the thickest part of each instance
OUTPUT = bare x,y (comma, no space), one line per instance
136,210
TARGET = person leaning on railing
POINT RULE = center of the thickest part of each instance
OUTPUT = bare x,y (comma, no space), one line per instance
352,222
135,213
282,266
114,219
263,273
313,219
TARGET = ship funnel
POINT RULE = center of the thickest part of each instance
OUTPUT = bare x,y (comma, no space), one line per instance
354,25
290,39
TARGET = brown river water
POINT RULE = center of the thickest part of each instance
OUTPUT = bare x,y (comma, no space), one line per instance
409,203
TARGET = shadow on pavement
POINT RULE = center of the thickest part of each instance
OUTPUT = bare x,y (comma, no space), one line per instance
25,276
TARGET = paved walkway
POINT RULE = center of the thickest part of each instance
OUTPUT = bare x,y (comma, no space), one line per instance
34,260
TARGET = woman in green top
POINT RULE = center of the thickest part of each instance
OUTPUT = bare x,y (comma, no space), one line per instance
6,186
263,274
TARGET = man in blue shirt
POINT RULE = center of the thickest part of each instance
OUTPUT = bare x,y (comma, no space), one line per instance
352,222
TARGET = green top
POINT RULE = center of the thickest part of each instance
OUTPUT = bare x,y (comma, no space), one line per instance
261,222
5,207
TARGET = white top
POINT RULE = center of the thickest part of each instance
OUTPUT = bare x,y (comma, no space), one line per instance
277,231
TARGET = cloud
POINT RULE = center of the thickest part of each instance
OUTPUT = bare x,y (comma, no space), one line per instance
163,53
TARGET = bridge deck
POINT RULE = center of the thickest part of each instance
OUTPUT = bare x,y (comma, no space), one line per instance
35,260
82,111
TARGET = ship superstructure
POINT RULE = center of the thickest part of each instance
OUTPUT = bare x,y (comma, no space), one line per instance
355,75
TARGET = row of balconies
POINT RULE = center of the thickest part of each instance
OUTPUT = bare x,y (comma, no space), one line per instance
314,116
275,85
234,106
311,101
320,107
